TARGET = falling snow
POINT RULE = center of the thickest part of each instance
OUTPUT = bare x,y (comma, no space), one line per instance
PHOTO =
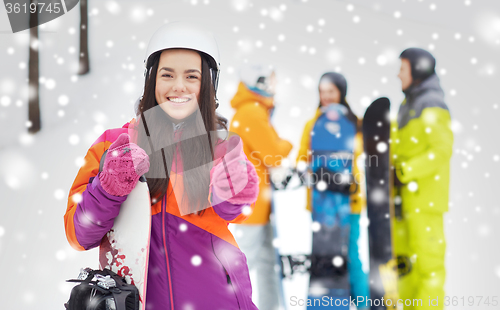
36,171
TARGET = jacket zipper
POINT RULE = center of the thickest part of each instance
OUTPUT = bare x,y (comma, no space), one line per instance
228,277
229,282
166,252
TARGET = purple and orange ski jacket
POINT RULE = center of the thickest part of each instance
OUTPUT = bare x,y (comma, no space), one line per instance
221,281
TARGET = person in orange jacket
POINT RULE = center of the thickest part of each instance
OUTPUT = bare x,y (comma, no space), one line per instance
254,104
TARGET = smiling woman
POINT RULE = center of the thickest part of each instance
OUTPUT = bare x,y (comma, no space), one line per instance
178,82
194,261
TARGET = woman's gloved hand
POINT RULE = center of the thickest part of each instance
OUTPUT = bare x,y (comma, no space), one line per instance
234,178
124,164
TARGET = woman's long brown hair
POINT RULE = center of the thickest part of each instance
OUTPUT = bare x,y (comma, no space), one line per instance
196,152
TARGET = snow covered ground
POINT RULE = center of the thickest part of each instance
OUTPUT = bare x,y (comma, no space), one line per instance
302,39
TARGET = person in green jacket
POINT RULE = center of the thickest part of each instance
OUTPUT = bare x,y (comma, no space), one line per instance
421,143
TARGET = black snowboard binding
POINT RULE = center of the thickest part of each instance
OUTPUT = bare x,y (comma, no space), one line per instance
291,264
102,290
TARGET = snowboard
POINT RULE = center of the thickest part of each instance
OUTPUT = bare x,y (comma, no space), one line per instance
380,210
278,267
125,248
332,146
290,241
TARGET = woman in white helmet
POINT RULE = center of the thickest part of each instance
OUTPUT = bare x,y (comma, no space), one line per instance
198,183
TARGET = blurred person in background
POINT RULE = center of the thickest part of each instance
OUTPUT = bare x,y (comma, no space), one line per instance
421,145
254,104
333,90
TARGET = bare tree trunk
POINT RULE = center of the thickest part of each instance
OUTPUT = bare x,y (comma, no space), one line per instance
33,75
84,66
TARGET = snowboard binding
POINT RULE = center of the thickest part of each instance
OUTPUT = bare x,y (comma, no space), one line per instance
282,179
331,266
404,265
292,264
337,182
102,290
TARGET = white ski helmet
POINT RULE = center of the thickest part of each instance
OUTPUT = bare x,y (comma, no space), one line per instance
188,36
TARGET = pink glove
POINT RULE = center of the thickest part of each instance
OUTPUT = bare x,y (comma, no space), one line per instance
124,164
234,178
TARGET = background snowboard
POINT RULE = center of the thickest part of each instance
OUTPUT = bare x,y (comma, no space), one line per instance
291,241
125,248
383,267
278,267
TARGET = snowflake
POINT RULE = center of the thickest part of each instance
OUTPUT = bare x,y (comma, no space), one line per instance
240,5
138,14
50,84
247,210
381,60
80,162
196,260
321,186
26,139
365,101
63,100
338,261
74,139
61,255
315,226
276,14
382,147
307,82
5,101
412,186
113,7
59,194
